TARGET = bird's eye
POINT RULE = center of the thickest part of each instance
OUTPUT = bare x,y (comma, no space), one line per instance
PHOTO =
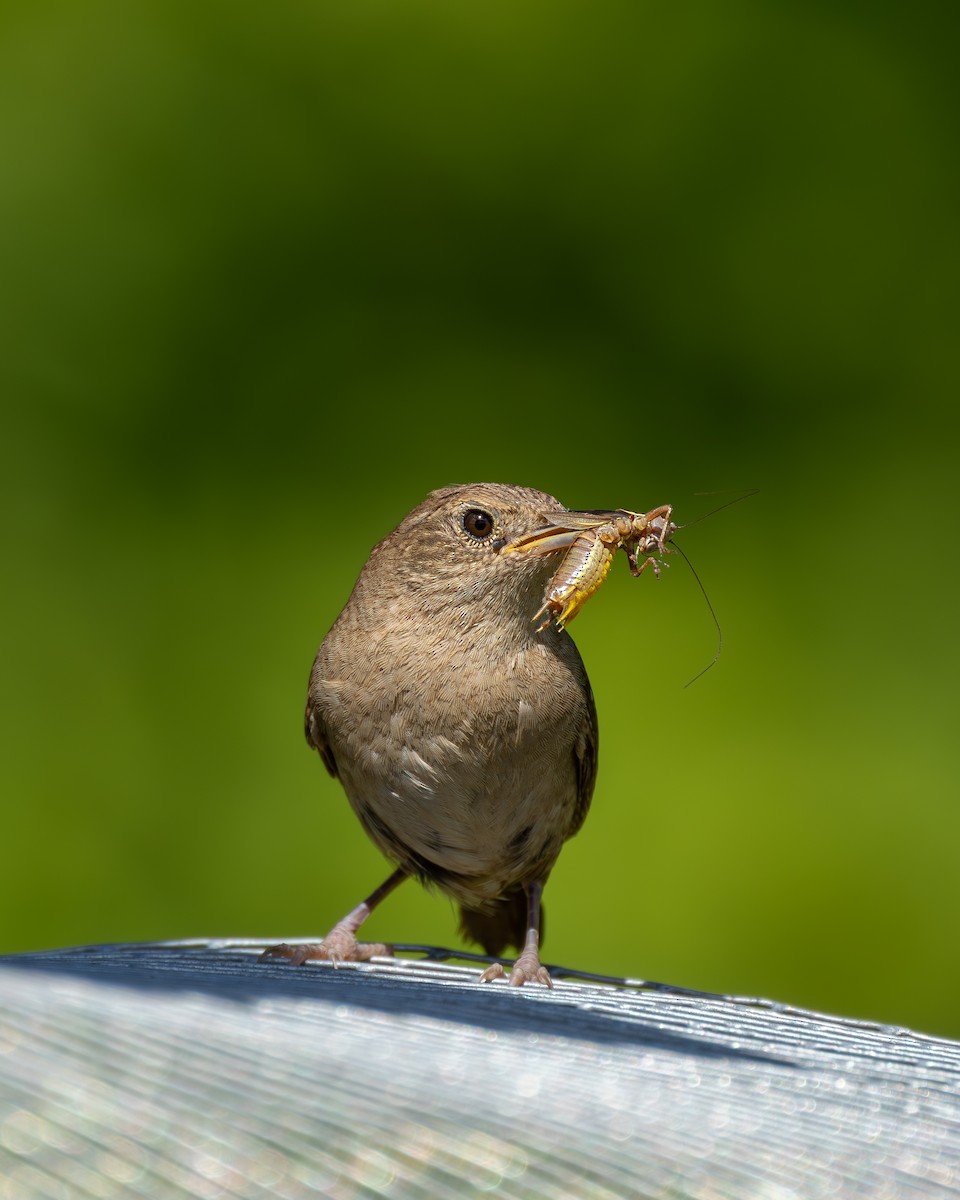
477,523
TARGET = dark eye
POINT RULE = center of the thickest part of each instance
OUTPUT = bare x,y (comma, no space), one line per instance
477,523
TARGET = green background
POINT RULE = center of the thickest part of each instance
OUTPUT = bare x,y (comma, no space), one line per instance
272,272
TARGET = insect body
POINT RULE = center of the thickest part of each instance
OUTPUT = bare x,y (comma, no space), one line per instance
591,540
583,569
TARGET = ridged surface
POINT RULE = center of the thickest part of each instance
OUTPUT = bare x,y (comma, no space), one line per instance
193,1070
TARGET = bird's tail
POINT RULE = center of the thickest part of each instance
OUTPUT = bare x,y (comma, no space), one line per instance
500,924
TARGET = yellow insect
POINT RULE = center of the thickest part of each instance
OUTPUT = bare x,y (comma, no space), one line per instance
591,540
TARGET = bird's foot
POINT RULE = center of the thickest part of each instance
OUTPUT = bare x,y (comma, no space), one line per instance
527,969
340,945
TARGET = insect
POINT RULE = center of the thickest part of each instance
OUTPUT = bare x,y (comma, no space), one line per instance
591,539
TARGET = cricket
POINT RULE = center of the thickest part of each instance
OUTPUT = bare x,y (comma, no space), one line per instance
591,540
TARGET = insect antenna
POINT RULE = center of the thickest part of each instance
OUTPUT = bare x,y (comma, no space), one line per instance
719,508
713,613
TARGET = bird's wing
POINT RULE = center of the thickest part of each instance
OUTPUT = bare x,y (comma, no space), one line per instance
585,751
316,734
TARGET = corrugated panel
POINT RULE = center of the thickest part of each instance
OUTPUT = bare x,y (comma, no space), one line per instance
193,1070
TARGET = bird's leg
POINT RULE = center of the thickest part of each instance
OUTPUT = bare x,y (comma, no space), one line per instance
527,968
340,944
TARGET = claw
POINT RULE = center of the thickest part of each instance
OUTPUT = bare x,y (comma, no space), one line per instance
527,969
521,975
336,948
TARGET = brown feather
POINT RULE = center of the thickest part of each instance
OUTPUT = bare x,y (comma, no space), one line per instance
502,925
317,739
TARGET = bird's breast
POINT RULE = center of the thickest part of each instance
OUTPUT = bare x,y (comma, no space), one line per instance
462,760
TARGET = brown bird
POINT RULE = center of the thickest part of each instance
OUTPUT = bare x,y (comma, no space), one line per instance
464,736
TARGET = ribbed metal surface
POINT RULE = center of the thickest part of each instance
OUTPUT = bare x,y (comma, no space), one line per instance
192,1070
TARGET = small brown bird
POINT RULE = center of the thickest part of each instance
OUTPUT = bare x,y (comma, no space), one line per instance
464,736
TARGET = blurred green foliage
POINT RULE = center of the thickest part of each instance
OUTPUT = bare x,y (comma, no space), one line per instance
270,273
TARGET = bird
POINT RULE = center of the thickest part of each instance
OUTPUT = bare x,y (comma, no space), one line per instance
463,732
